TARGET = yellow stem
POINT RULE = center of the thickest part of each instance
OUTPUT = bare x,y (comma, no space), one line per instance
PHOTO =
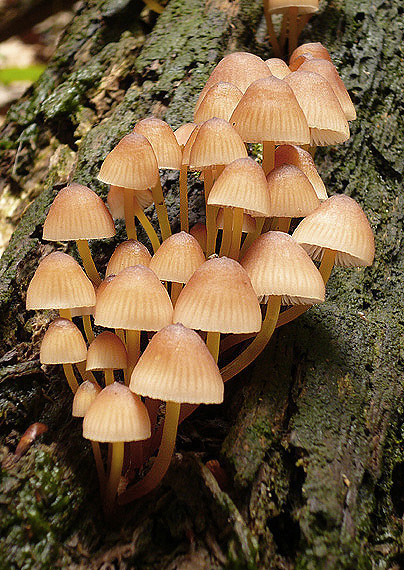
237,231
118,449
293,34
133,341
268,156
109,376
129,208
184,198
163,459
99,464
281,224
252,236
88,329
213,344
70,377
161,210
211,213
65,313
85,374
227,231
258,344
176,289
272,35
121,335
88,262
144,220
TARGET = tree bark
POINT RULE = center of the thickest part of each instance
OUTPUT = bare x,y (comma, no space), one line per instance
310,436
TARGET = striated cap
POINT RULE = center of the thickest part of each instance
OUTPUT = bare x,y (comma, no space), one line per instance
135,300
278,265
219,297
239,68
68,217
292,195
242,184
324,114
127,254
327,70
269,111
291,154
131,164
220,101
341,225
103,285
116,200
199,232
62,343
183,133
177,258
249,224
116,415
186,152
59,283
316,49
84,397
303,6
106,352
216,143
160,135
178,367
278,67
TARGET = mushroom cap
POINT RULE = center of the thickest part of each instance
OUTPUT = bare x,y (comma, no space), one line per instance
183,133
292,195
106,352
177,258
116,200
186,151
269,111
324,114
135,300
116,415
59,283
278,265
239,68
178,367
62,343
278,67
303,6
131,164
220,101
291,154
160,135
68,217
316,49
298,61
339,224
242,184
219,297
84,397
249,224
199,232
127,254
216,143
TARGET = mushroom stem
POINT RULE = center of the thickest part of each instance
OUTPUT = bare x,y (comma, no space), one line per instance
213,344
88,329
233,339
161,210
144,220
86,374
65,313
133,341
227,231
88,261
163,459
252,236
281,224
237,232
268,156
258,344
129,208
272,35
70,377
114,475
109,376
176,289
210,214
293,33
98,463
184,198
284,30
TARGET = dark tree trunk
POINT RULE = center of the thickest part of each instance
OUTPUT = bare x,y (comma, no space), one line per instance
311,435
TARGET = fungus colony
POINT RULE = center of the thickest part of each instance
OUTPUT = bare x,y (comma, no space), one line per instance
222,283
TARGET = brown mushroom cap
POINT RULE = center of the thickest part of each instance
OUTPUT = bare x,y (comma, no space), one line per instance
278,265
128,254
160,135
278,67
316,49
292,195
177,258
304,6
220,101
59,283
177,366
183,133
219,298
106,352
131,164
62,343
116,200
84,397
68,217
341,225
200,234
116,415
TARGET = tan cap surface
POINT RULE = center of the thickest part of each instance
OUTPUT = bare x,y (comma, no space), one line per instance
127,254
183,133
84,397
106,352
292,195
278,67
177,258
160,135
220,101
291,154
316,49
62,343
200,234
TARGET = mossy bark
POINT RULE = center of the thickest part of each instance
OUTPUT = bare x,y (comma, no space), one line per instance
311,436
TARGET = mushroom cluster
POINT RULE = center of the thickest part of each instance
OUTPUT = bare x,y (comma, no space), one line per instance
169,317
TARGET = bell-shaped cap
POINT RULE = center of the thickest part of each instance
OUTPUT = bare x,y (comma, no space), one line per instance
106,352
136,300
160,135
178,257
327,70
242,184
84,397
324,114
303,6
183,133
116,415
68,217
239,68
220,101
291,154
316,49
269,111
216,143
104,284
59,283
199,232
186,151
128,254
116,200
62,343
219,297
278,265
178,367
341,225
278,67
131,164
249,224
292,195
